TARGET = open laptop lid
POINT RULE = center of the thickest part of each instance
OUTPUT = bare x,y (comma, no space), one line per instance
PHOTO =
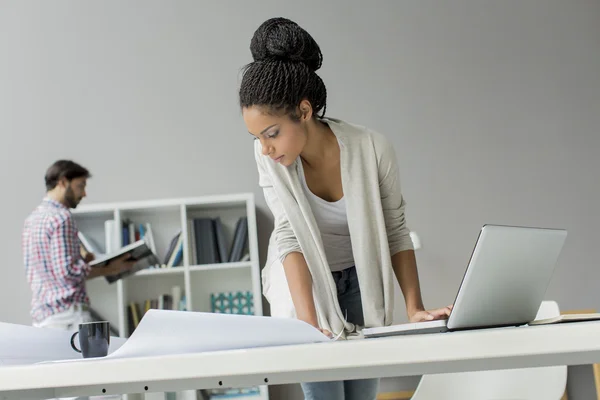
507,276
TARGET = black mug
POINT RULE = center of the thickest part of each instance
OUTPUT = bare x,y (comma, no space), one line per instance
94,339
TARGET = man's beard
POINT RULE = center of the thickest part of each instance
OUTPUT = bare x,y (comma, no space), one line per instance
70,198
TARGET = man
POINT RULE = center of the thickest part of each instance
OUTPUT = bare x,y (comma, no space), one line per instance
55,268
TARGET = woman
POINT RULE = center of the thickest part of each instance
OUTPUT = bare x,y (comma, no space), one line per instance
340,232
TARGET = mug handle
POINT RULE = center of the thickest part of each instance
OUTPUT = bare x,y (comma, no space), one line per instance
73,342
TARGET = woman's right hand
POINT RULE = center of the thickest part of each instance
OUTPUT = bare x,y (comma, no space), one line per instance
430,315
326,332
313,322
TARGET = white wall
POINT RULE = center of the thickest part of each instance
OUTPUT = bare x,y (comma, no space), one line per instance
493,108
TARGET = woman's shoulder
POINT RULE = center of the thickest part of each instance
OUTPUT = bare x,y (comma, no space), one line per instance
361,135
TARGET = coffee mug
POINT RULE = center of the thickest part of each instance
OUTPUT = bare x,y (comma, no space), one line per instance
94,339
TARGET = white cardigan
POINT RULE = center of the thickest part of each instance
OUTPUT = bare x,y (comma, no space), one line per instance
375,209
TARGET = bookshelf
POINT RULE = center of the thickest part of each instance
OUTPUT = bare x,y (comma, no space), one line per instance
194,276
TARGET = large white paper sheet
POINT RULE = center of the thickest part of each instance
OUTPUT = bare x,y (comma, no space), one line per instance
160,332
23,344
166,332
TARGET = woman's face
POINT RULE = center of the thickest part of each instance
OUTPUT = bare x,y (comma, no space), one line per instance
281,138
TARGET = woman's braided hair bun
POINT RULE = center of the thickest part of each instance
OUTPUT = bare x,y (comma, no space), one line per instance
283,71
279,39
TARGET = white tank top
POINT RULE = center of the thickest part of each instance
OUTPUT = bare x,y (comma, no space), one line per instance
332,221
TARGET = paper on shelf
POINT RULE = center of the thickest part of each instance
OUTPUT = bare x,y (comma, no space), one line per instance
23,344
166,332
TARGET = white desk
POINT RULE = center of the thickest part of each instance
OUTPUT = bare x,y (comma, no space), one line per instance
567,344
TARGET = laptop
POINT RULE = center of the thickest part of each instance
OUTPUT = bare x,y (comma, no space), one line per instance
504,284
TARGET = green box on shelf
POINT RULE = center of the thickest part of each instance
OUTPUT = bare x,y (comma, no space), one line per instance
232,303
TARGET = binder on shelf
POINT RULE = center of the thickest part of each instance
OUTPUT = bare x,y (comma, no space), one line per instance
208,242
221,240
239,240
206,246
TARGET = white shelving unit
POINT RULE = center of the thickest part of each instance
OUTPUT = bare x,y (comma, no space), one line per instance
167,217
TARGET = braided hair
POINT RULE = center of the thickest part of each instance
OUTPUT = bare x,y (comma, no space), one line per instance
283,71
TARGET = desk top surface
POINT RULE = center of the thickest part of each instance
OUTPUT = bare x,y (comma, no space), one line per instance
497,348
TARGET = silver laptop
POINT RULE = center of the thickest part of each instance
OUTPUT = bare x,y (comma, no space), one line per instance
504,284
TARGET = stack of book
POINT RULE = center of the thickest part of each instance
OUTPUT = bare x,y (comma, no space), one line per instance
209,245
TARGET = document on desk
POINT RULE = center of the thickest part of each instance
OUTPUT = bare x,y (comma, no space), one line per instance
24,344
167,332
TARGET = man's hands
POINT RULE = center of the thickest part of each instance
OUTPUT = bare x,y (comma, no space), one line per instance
114,267
430,315
89,257
119,265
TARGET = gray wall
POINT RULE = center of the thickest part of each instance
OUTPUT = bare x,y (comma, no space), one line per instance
494,110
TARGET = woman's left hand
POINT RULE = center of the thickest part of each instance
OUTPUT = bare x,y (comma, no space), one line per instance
431,315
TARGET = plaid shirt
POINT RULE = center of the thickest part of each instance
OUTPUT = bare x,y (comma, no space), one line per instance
55,269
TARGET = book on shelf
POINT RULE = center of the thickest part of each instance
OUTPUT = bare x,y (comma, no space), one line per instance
208,243
132,232
175,300
174,255
138,251
240,240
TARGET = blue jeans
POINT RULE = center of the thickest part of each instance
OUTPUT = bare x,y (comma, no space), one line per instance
348,292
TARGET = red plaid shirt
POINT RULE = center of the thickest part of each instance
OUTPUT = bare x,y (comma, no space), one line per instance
55,269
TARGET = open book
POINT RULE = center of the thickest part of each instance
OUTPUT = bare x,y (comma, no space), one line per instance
567,318
139,251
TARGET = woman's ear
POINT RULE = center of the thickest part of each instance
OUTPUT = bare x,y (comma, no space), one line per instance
306,110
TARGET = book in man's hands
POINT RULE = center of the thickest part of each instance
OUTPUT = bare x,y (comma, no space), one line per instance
139,251
561,319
